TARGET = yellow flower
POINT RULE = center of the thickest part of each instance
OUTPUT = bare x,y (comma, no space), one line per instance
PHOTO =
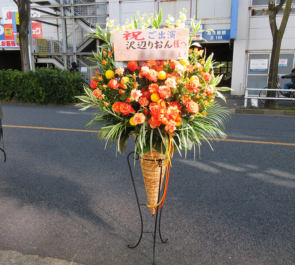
131,121
162,75
184,62
124,80
110,74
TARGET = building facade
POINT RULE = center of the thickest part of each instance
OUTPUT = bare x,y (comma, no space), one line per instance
241,40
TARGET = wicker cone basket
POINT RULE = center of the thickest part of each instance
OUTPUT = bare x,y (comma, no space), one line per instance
151,175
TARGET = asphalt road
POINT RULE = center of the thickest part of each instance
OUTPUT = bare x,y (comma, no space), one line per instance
63,195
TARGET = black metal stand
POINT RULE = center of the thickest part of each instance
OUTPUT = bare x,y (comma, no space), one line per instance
157,223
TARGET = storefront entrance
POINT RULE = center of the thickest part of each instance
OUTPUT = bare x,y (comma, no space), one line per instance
223,54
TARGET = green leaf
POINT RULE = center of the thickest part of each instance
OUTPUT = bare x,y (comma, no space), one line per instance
135,22
93,67
123,142
146,148
160,18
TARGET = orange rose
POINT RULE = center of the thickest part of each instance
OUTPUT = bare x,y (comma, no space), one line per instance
154,108
206,76
154,123
132,65
116,106
96,92
192,107
209,90
171,126
113,84
93,84
143,101
165,92
126,108
139,118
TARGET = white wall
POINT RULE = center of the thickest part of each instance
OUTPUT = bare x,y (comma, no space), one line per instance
260,37
127,9
213,9
173,8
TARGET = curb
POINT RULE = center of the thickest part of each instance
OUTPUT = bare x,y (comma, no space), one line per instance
266,112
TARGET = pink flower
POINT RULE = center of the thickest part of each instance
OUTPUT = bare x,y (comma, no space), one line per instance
119,71
152,75
139,118
171,126
165,92
143,101
135,94
192,107
209,90
144,70
180,68
170,82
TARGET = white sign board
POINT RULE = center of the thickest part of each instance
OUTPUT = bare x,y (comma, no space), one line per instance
259,65
151,44
83,69
283,62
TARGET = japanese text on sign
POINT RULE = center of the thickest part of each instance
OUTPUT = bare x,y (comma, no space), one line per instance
151,44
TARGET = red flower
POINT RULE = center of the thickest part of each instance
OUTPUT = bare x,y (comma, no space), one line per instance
93,84
132,65
145,112
134,84
103,61
96,72
109,54
128,99
206,76
126,108
113,84
116,106
121,91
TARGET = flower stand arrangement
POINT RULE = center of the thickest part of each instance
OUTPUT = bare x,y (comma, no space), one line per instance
166,105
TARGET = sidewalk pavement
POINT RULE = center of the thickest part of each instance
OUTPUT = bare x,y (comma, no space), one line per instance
9,257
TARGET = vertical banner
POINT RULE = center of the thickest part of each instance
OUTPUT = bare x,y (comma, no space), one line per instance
2,36
37,30
15,22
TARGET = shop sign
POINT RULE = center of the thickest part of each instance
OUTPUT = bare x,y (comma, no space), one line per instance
283,62
257,65
217,35
151,44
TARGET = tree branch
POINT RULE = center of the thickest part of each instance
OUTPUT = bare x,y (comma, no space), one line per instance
16,2
272,17
280,5
285,17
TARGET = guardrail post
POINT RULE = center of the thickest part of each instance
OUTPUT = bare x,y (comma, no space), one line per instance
246,97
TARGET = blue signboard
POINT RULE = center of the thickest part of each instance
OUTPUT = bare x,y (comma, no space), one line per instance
2,36
218,35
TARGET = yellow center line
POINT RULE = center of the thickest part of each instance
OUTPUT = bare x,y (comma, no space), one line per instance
46,128
93,131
